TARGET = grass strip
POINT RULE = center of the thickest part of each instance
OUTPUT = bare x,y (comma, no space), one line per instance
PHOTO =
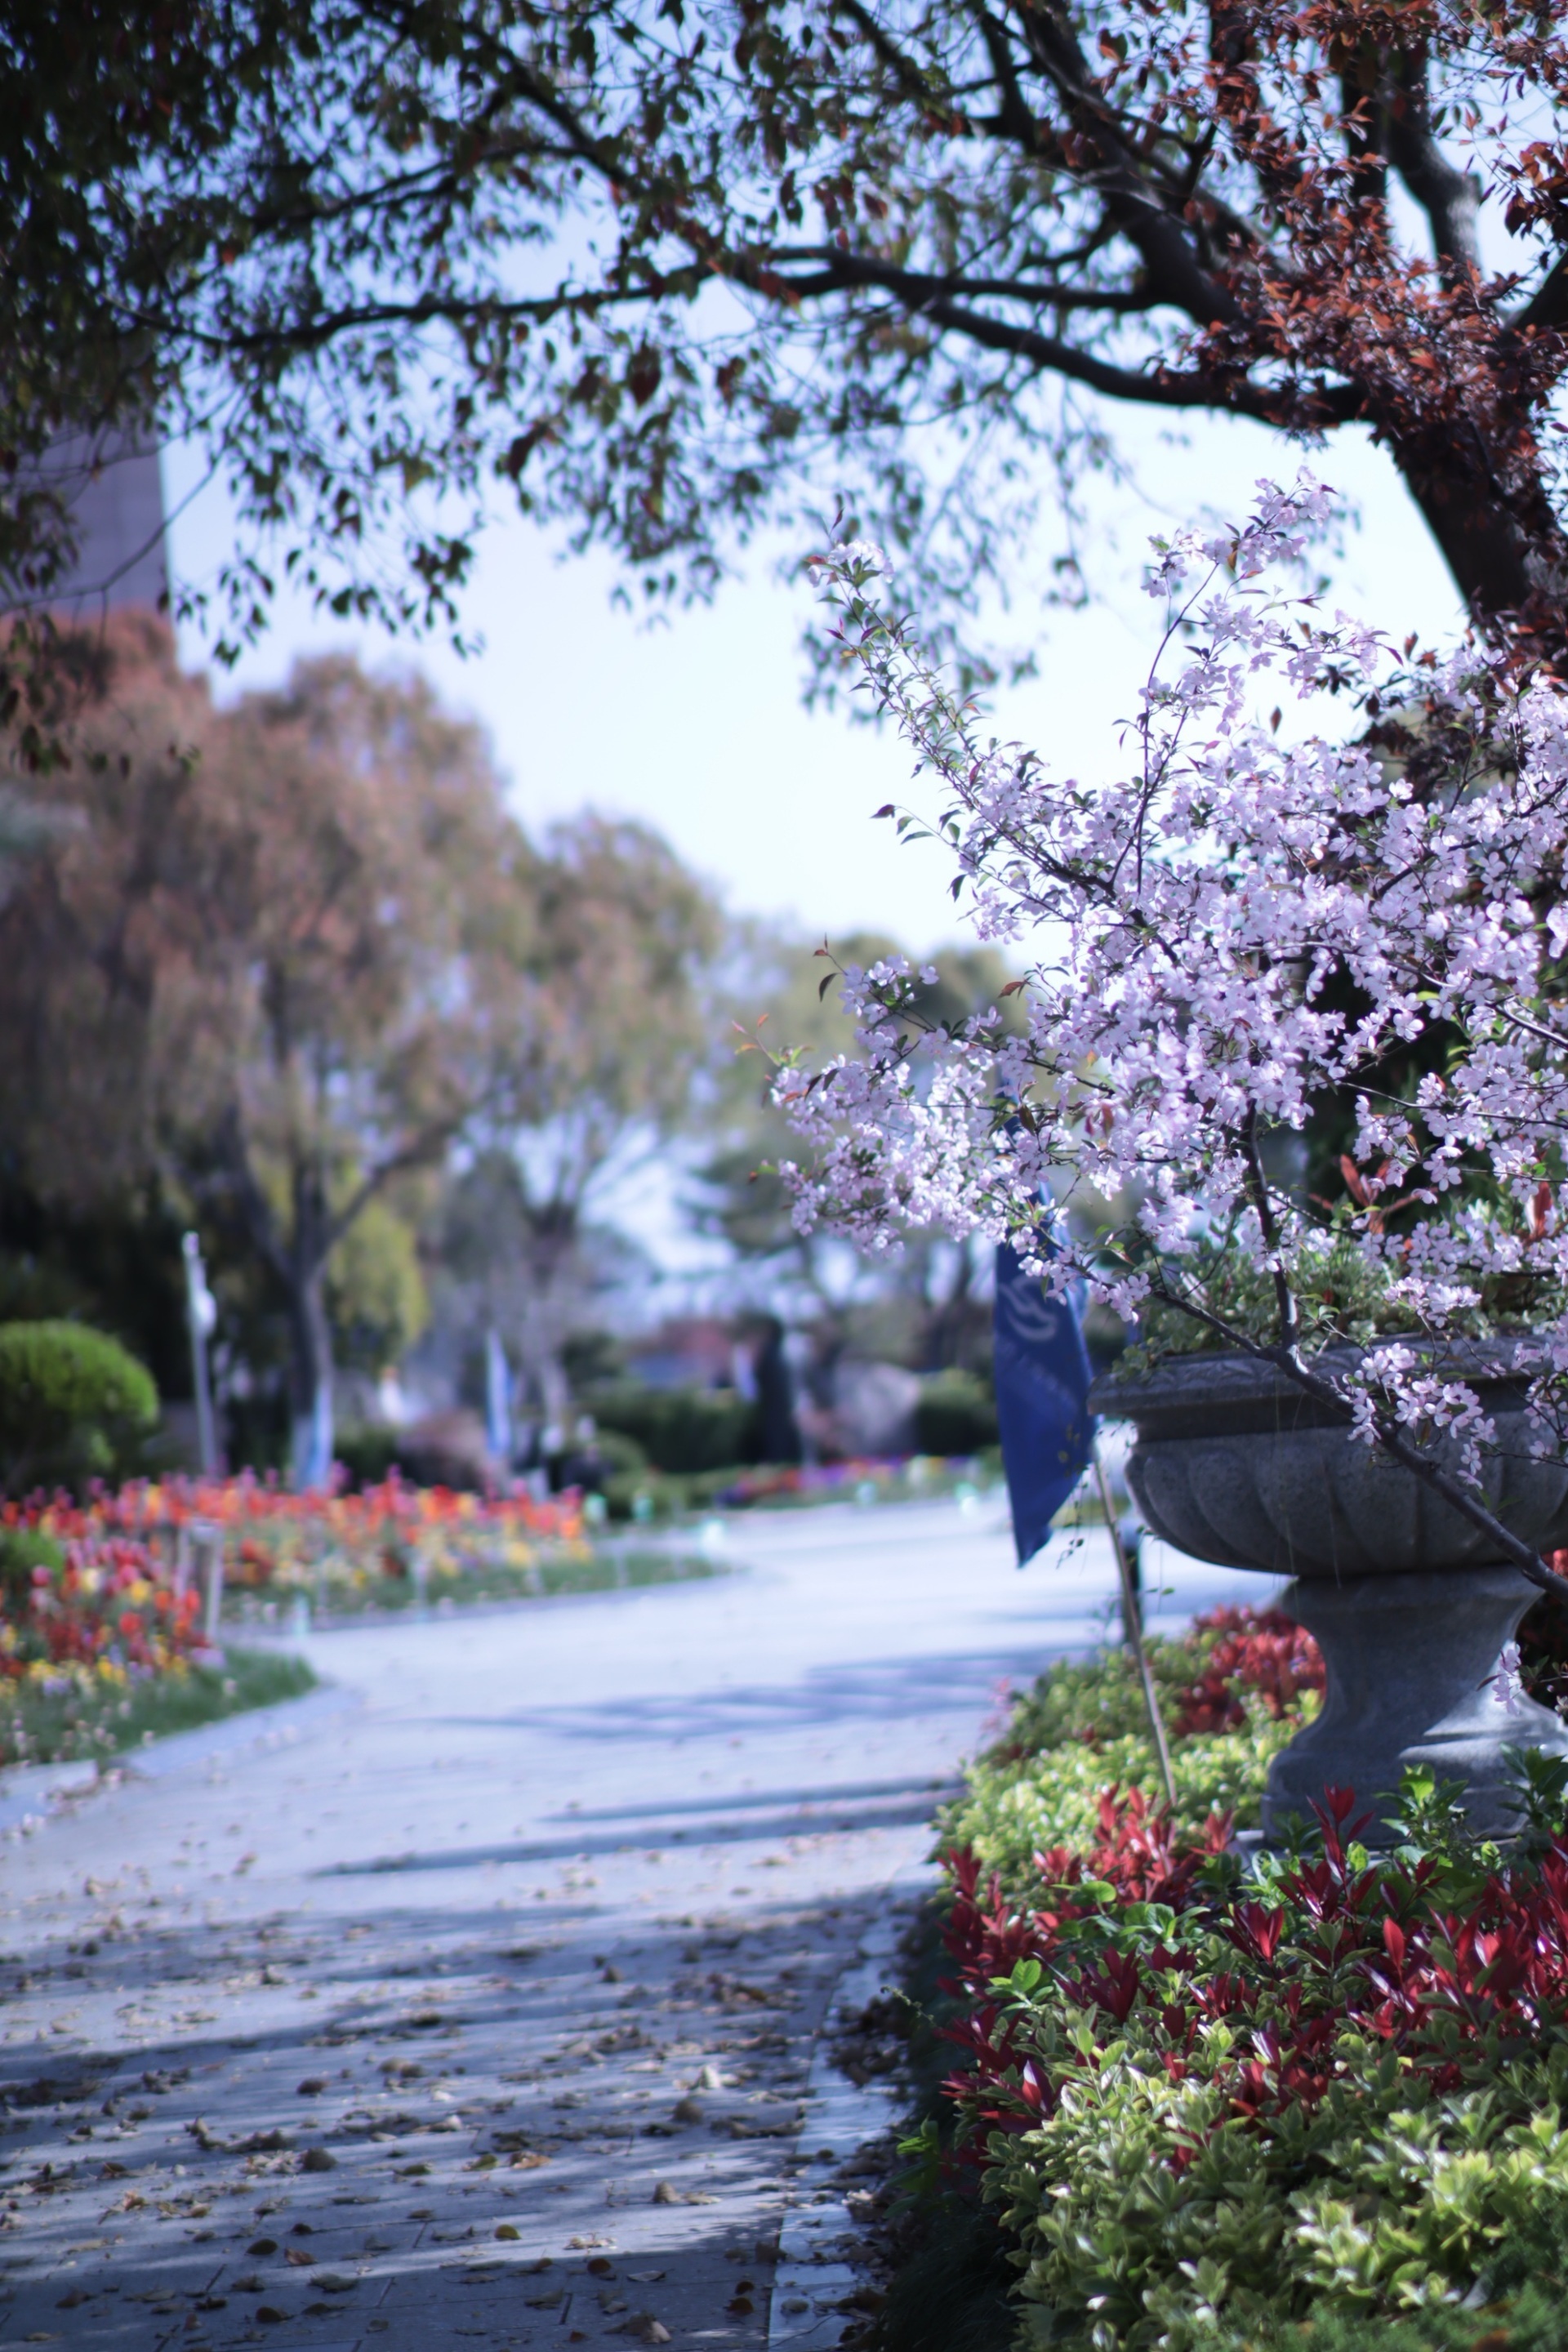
96,1720
337,1597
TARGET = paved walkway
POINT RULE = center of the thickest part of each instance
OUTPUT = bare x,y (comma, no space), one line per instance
481,2009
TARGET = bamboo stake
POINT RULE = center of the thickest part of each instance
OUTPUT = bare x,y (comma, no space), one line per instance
1132,1620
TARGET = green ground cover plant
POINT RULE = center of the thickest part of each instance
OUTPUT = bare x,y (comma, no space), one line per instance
72,1720
1210,2098
648,1495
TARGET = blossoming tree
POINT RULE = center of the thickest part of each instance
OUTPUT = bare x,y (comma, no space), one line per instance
1252,919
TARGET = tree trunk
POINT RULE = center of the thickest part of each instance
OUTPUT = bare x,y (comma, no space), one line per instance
310,1379
299,1263
1507,554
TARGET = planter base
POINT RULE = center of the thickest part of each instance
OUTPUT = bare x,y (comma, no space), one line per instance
1410,1661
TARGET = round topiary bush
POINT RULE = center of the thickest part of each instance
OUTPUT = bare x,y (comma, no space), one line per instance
73,1403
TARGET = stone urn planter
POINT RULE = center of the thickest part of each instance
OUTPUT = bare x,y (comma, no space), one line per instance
1232,1463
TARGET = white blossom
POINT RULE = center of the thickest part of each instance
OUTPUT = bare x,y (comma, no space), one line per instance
1507,1681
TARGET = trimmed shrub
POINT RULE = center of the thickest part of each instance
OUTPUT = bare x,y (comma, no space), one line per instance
956,1415
367,1455
679,1430
619,1457
1313,2097
73,1404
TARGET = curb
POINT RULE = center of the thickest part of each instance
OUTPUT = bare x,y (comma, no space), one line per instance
31,1795
819,2237
29,1791
258,1727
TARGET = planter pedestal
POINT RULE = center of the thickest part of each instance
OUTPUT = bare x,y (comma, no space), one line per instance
1233,1464
1410,1661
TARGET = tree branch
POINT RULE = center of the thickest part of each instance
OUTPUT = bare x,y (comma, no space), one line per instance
1258,1186
1548,306
1235,395
1450,198
1142,213
917,287
425,1147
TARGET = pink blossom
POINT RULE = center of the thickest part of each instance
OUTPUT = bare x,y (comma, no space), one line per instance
1178,925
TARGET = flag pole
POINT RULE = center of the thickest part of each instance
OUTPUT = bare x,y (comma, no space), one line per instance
1132,1620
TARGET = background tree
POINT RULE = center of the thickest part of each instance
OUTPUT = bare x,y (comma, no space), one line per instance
669,270
929,1305
380,910
272,952
619,1050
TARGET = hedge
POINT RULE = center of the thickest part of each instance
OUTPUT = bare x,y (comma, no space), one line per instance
1317,2096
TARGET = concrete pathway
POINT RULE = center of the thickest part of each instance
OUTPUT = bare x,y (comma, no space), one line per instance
477,2004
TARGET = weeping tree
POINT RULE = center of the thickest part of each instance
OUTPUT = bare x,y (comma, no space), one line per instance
665,272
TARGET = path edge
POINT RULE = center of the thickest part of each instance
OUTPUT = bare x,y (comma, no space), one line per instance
33,1795
820,2260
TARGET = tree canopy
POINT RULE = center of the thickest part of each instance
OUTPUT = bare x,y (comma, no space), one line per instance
667,271
619,1048
293,958
275,953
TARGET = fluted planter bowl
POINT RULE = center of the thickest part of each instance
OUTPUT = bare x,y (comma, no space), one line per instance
1408,1602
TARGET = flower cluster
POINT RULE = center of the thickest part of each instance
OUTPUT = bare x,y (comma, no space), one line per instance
1251,919
247,1502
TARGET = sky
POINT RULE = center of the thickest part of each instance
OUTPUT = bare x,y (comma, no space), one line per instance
696,725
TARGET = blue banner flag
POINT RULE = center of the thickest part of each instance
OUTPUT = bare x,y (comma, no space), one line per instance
1042,1399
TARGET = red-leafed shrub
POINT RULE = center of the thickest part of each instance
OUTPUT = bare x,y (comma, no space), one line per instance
1214,2098
1243,1649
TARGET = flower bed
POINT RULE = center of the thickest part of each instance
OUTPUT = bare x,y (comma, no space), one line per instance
391,1548
100,1648
1211,2104
386,1546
